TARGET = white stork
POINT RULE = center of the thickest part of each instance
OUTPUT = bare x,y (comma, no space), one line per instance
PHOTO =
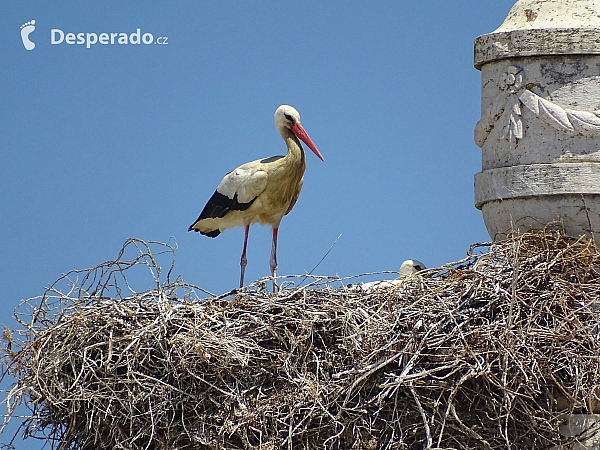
408,268
260,191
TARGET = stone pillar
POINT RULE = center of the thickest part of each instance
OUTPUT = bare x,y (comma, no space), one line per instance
540,125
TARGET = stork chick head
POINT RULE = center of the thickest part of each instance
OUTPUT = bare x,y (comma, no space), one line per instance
287,119
411,266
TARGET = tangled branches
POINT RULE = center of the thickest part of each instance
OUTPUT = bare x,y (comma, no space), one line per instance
487,353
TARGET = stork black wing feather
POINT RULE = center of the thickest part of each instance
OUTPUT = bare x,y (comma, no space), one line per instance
218,206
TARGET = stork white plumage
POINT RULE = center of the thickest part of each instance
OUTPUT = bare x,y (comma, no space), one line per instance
260,191
408,268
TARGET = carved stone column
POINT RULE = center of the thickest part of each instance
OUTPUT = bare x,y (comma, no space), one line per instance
540,126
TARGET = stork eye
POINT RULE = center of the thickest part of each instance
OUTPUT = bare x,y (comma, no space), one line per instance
288,117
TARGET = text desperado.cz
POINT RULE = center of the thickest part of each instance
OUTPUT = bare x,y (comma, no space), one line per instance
58,36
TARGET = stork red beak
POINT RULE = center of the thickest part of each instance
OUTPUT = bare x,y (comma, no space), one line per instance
299,131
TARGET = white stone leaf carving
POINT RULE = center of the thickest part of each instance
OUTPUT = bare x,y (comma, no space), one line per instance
564,119
513,131
550,112
587,123
529,99
489,118
518,128
517,108
508,104
554,114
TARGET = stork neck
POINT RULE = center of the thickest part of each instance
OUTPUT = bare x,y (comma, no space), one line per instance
295,151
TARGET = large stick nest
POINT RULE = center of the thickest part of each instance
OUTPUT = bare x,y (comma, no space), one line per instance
487,353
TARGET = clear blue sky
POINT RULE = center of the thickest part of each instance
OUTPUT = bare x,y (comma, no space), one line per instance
115,141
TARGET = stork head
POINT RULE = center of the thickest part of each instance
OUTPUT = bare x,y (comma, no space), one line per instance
411,266
287,118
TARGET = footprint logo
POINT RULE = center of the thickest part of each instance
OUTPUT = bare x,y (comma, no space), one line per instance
26,29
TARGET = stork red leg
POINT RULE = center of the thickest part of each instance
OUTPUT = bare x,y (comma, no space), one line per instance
244,261
273,260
